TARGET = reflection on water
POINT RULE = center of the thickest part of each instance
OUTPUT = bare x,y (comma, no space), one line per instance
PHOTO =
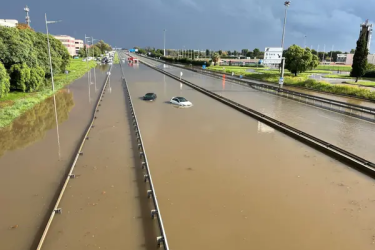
33,125
263,128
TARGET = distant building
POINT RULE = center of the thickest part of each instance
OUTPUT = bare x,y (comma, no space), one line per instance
347,59
79,45
68,42
8,22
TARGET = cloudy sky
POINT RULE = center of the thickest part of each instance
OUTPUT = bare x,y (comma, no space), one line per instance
201,24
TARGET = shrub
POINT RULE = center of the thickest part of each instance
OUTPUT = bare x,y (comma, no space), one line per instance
37,78
19,76
4,81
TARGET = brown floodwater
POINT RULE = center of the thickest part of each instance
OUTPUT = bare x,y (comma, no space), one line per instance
344,131
106,206
30,163
227,181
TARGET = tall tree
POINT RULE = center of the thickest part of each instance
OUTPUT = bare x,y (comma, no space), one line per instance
256,52
244,52
352,51
207,52
215,58
299,60
360,57
220,52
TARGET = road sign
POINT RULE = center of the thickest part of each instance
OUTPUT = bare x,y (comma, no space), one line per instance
281,81
203,66
272,55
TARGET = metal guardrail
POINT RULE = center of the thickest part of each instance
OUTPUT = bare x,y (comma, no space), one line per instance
151,193
355,161
358,111
57,209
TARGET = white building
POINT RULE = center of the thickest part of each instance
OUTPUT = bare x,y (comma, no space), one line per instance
8,22
79,45
68,42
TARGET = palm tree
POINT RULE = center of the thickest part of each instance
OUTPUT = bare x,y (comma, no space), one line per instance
215,58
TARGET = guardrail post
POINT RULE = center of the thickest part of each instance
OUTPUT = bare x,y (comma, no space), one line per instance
160,240
149,193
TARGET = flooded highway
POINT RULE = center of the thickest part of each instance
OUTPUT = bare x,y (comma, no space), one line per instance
30,163
106,206
226,181
344,131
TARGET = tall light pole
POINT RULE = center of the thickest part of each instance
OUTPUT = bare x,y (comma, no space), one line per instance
331,53
304,42
53,83
164,40
286,4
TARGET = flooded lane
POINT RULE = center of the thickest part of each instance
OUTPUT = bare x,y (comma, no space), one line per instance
106,206
226,181
30,163
347,132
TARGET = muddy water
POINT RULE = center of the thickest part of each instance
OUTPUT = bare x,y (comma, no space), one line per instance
347,132
30,163
106,206
226,181
301,90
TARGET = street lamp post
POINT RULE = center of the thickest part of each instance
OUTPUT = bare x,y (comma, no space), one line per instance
53,83
164,40
93,55
304,42
286,4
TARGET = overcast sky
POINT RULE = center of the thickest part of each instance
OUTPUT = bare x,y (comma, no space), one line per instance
201,24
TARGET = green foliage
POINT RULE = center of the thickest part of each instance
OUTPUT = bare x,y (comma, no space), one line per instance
17,103
142,51
298,60
4,81
360,57
186,61
20,76
215,58
116,60
103,46
37,77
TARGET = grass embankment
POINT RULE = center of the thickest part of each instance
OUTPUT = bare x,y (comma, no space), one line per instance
116,60
16,103
302,80
334,68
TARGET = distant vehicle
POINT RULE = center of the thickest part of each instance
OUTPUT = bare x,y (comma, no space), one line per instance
76,57
180,101
149,97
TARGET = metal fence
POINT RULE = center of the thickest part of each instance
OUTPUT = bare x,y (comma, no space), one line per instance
151,193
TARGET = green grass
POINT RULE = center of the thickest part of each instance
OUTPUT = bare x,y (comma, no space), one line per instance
363,83
334,68
302,80
116,60
17,103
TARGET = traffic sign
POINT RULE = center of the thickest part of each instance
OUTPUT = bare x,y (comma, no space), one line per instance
281,81
203,66
273,55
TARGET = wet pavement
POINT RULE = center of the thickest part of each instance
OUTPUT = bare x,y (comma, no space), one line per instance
225,180
30,163
344,131
105,206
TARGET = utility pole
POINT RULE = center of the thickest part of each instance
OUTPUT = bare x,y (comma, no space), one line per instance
286,4
164,40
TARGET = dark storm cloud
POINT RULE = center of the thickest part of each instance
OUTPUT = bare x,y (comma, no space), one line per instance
201,24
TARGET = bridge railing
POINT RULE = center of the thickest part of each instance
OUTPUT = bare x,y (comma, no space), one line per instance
151,193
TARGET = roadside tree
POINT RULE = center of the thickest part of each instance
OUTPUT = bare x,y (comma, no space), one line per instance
298,60
360,58
215,58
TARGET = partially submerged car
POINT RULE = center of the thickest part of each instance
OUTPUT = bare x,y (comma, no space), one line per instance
180,101
149,97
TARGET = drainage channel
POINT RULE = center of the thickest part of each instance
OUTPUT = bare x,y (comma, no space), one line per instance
151,193
71,175
352,160
358,111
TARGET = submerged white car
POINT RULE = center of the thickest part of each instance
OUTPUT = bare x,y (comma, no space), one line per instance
180,101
